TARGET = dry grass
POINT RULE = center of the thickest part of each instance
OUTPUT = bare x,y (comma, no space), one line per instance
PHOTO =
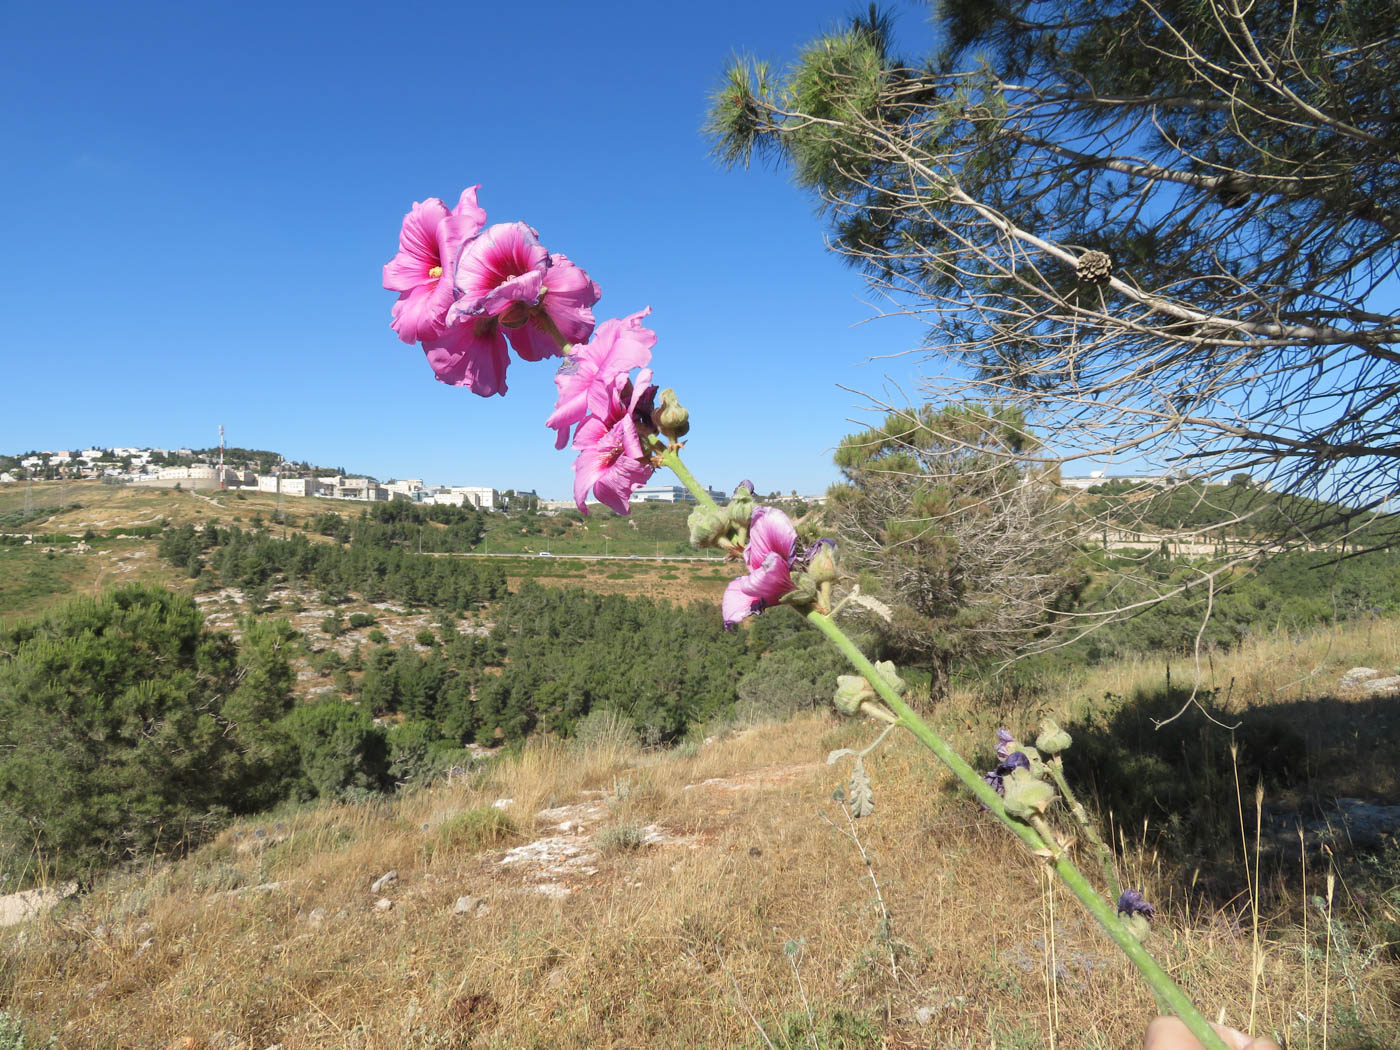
672,943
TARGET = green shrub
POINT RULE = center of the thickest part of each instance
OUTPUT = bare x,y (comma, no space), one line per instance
361,619
13,1034
338,746
622,836
126,728
473,830
426,637
378,637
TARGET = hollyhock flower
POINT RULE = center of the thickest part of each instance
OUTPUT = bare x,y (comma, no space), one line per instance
1014,760
505,274
509,287
771,551
1131,903
611,461
430,241
585,378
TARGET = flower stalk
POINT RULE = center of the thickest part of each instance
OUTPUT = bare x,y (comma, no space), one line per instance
1165,989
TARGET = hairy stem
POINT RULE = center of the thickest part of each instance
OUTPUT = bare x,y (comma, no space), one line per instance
1162,985
672,458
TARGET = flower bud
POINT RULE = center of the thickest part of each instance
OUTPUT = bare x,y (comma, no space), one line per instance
891,677
1026,797
707,526
671,417
852,690
741,505
821,561
1052,739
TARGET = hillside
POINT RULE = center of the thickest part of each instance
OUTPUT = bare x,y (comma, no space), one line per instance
594,895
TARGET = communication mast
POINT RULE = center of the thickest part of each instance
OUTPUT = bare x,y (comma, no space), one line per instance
223,482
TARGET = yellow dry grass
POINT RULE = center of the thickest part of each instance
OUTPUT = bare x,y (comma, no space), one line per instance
275,938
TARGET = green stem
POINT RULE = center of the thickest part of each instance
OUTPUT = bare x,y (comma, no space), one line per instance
1166,990
672,458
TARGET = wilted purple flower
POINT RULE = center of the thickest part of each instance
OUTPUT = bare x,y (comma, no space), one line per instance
1006,744
1131,903
1013,761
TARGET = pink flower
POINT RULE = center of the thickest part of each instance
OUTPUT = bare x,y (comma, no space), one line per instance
509,287
585,378
538,298
771,550
430,241
611,461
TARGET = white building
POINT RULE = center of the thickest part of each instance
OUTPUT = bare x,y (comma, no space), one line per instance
478,497
671,494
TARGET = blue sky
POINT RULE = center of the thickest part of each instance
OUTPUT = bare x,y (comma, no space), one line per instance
198,199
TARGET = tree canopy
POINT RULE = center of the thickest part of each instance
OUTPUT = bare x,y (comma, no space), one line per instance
1165,231
975,555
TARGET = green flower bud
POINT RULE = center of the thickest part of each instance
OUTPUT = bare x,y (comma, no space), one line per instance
741,505
707,526
852,690
1052,739
671,417
891,676
1138,926
821,562
1027,797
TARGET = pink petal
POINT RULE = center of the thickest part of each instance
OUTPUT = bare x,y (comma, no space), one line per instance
497,254
461,356
422,313
533,343
467,218
619,346
587,467
770,532
615,487
769,581
418,246
569,298
737,604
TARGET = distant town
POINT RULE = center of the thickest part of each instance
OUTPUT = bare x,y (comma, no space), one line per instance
262,471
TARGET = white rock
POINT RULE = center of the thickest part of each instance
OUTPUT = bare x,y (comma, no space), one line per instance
383,904
476,907
1357,675
385,880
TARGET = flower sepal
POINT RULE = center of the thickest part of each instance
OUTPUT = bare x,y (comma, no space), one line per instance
1026,795
708,526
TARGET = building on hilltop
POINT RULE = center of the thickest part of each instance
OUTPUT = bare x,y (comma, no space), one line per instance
672,494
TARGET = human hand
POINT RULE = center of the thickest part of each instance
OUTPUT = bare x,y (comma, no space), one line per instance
1169,1033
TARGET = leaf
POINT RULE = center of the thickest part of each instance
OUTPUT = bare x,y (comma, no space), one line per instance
862,798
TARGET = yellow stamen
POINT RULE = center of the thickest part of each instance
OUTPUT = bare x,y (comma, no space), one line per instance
436,271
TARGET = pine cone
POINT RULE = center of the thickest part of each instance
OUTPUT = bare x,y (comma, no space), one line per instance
1093,267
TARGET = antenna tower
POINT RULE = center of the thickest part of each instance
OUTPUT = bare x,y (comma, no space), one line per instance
223,483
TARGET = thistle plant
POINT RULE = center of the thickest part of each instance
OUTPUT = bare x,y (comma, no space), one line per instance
471,293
